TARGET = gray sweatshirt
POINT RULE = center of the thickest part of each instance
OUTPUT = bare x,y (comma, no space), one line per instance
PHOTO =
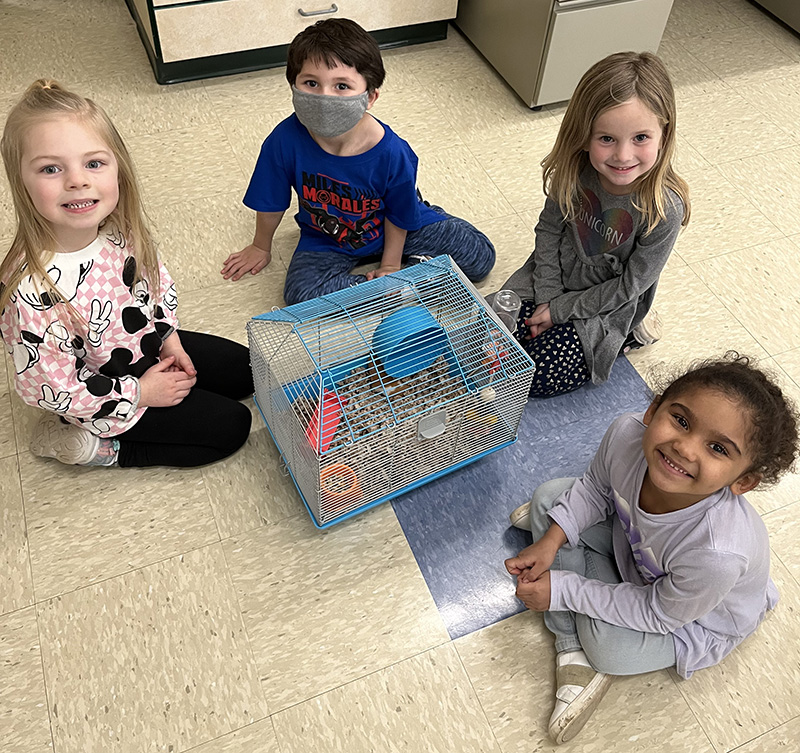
599,272
701,574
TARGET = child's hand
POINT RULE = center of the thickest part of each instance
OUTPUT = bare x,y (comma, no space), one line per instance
180,362
533,560
534,593
172,347
251,259
539,320
381,271
161,387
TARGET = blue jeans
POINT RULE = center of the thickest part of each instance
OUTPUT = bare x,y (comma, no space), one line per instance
611,649
315,273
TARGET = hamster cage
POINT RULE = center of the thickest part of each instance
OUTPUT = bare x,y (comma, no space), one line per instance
374,390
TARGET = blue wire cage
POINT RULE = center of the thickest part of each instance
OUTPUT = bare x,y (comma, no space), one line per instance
371,391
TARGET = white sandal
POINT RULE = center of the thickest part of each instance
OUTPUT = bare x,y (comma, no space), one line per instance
521,517
580,690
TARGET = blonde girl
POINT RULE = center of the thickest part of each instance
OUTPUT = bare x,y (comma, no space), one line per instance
88,312
614,208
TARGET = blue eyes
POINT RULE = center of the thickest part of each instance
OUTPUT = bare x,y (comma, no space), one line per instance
94,164
640,138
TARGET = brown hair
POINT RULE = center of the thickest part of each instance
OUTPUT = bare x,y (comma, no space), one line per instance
608,83
772,417
334,41
34,242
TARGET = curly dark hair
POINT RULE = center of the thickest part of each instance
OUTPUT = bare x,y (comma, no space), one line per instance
333,41
773,418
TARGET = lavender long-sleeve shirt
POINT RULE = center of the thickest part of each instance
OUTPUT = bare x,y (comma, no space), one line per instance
701,574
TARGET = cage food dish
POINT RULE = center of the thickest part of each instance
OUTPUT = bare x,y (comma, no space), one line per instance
374,390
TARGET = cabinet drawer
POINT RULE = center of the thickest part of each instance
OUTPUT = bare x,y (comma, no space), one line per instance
224,26
581,35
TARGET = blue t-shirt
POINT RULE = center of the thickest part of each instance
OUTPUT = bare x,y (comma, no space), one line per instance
342,200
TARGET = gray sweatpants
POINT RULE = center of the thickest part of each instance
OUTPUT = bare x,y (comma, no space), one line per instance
611,649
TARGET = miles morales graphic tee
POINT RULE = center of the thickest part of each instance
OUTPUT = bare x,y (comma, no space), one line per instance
342,201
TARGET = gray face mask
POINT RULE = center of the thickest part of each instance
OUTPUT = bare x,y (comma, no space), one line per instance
328,115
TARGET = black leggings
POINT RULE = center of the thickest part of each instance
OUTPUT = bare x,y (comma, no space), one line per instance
208,424
558,355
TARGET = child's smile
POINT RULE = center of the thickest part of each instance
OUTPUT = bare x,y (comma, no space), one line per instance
624,145
673,465
695,444
72,179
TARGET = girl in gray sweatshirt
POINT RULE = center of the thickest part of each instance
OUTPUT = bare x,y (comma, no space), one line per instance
613,211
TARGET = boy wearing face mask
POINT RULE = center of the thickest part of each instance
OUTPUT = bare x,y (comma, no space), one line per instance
355,179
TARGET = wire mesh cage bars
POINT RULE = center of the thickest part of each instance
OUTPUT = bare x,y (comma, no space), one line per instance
371,391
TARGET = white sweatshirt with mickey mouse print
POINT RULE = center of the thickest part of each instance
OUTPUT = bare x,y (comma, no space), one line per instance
90,378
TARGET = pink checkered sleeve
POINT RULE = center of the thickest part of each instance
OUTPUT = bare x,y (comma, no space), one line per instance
50,374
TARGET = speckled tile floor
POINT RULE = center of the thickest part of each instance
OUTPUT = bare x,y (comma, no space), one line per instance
201,610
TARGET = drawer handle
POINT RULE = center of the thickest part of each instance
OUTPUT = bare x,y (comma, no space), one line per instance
307,13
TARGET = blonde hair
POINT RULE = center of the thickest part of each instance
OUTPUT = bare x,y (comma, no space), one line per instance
34,243
616,79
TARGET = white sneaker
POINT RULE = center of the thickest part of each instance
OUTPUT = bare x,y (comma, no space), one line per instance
521,517
72,445
412,259
579,691
649,330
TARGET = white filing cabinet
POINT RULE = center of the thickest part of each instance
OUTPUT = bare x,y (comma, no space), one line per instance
543,47
189,39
